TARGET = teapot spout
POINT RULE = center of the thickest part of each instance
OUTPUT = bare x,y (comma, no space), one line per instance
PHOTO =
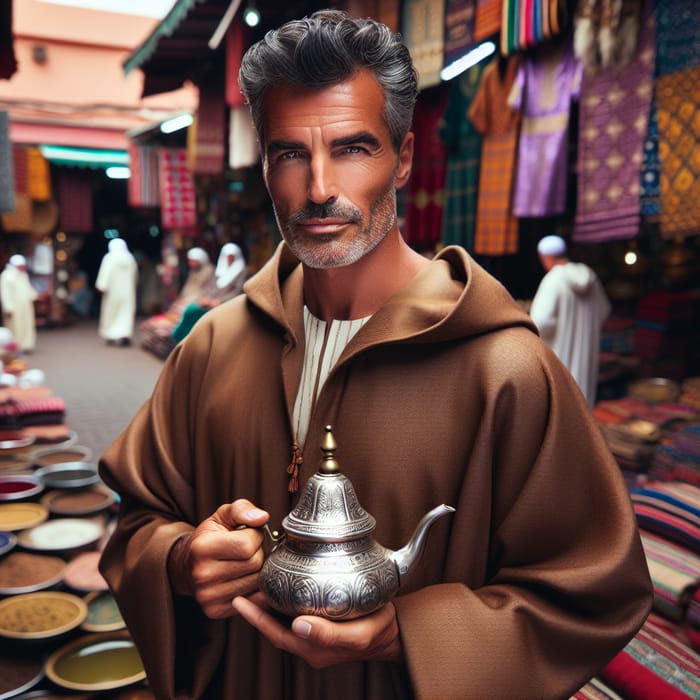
408,555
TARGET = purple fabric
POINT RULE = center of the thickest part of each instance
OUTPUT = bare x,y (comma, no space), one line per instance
614,122
546,83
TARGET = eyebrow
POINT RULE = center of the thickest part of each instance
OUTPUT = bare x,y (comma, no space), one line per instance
361,137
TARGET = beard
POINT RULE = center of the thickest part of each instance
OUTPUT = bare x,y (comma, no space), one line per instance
324,251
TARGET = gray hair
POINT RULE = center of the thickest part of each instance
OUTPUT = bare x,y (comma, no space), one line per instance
327,48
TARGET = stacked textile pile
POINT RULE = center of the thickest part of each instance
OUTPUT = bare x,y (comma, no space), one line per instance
661,661
665,331
29,411
654,433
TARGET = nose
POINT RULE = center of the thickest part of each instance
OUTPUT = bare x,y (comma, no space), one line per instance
322,180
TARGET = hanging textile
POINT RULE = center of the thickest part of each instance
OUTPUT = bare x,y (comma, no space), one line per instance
547,81
207,135
19,161
459,28
423,28
487,20
7,179
677,35
8,61
177,195
426,186
75,200
606,32
38,176
143,189
496,227
650,187
678,100
613,115
527,23
463,144
242,140
235,43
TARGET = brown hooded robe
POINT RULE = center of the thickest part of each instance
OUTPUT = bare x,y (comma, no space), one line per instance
446,395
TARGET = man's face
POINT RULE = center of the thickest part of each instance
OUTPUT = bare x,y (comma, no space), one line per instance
331,170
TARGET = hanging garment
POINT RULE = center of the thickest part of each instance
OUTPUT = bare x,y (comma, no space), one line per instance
426,187
463,144
546,83
496,227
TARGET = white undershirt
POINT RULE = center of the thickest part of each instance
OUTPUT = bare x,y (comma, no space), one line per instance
324,344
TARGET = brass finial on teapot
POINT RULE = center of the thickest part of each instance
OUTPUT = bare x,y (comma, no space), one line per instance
328,564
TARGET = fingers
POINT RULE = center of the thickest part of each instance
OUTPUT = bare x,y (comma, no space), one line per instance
322,643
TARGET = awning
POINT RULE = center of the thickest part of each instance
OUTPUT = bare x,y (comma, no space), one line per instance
83,137
167,26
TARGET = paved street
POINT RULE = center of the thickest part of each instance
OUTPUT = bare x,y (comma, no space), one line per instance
102,385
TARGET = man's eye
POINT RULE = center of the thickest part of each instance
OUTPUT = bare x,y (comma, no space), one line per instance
353,149
290,155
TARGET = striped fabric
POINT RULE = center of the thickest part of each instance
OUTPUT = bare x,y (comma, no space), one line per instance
325,343
656,665
675,573
596,689
488,19
492,117
670,510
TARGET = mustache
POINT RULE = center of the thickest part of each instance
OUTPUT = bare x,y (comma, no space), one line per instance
327,210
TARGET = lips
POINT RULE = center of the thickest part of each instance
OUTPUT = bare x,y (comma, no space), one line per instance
323,225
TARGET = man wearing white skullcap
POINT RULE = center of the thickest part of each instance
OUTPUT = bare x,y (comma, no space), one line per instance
116,279
569,309
17,297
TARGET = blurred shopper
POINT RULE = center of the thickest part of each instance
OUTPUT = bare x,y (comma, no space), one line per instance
157,331
17,297
117,279
569,308
230,274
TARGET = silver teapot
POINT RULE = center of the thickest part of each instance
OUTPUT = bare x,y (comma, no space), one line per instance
327,563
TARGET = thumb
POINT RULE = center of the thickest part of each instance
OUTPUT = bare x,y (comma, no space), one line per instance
313,628
243,513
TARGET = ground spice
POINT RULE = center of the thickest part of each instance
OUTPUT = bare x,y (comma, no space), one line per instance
17,672
25,570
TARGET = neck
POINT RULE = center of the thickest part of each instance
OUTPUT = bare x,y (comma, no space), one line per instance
360,289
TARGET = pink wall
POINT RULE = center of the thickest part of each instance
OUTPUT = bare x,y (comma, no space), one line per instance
82,82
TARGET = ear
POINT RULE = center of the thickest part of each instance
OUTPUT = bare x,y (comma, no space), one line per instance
405,163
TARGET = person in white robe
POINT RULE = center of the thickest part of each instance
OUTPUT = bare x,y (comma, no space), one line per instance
117,279
569,309
17,297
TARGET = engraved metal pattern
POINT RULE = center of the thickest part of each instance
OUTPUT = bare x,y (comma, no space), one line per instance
329,509
349,579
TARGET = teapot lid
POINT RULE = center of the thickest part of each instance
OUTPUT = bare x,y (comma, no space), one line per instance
328,509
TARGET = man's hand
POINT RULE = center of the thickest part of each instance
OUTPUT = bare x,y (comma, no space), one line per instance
221,558
322,643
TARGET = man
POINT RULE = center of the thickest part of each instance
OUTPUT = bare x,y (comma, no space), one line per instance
569,309
116,279
17,297
438,390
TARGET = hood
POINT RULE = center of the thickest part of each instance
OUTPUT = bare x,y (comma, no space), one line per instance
452,298
579,277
